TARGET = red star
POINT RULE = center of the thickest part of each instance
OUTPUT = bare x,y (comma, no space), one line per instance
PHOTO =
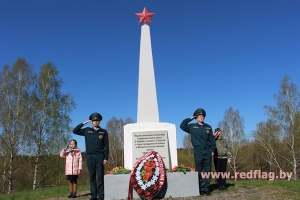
144,16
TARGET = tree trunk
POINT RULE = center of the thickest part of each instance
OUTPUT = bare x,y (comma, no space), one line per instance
34,186
3,178
10,173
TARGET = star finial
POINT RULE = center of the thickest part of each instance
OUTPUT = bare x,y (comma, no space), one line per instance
144,16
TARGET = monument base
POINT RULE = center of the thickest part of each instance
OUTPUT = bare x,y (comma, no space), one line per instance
177,184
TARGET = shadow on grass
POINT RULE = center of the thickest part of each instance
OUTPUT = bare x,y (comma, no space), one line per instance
84,195
215,186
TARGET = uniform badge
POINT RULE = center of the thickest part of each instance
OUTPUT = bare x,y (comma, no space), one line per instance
208,130
90,131
101,134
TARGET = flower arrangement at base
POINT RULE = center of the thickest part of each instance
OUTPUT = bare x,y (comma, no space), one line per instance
119,170
182,168
148,176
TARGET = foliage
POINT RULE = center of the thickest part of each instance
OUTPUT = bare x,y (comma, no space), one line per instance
232,127
116,137
34,118
50,121
16,86
280,135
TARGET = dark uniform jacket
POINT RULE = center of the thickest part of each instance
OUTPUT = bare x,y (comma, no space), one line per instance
96,142
201,135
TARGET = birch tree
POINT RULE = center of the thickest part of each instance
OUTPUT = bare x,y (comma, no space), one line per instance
266,137
50,110
115,129
232,128
15,88
286,115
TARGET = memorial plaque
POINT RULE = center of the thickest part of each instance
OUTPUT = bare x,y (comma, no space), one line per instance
145,141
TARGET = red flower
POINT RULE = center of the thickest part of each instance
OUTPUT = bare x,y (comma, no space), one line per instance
132,179
146,176
150,173
154,187
148,169
139,191
174,169
135,185
147,193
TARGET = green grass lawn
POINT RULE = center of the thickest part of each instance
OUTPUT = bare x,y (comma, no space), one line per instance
288,190
42,193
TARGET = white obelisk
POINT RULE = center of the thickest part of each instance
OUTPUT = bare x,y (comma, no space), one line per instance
147,100
148,134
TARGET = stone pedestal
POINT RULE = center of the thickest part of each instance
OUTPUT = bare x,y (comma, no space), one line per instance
177,184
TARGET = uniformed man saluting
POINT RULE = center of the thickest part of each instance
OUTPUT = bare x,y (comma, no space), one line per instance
97,150
204,146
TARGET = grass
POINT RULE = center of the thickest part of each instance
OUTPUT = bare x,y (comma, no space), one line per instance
282,189
42,193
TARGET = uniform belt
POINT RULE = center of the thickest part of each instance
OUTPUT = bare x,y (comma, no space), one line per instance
202,148
91,154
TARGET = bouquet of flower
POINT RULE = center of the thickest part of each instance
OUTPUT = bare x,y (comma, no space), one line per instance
182,168
148,176
119,170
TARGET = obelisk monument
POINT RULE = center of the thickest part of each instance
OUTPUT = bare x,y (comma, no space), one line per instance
148,134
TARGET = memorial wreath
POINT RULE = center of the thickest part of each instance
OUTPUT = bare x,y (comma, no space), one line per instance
148,176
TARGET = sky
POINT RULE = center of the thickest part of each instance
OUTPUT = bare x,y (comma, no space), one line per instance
206,54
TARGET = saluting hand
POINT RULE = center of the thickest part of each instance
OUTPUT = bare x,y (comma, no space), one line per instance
87,121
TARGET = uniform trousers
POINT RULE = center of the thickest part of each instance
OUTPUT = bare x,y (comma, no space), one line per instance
96,168
220,166
203,163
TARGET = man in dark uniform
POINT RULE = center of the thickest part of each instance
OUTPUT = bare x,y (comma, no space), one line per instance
204,146
97,150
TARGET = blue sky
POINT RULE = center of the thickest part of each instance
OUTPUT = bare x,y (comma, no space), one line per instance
210,54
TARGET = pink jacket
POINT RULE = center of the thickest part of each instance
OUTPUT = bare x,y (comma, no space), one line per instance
73,160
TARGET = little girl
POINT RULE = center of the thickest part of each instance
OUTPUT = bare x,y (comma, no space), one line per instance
73,165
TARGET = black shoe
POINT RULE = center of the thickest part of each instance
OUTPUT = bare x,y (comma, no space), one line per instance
207,193
220,188
74,196
93,198
224,188
70,195
101,198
